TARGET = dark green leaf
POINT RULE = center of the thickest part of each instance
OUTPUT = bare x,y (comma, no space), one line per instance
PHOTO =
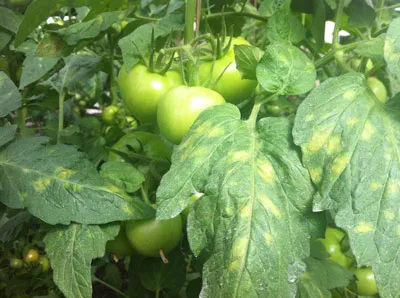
350,144
247,58
34,68
13,226
123,174
9,19
360,14
283,27
71,250
7,134
58,185
253,224
285,69
4,39
10,98
155,275
392,54
270,7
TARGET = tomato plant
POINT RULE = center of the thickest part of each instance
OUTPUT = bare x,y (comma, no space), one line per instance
180,107
220,148
141,90
150,236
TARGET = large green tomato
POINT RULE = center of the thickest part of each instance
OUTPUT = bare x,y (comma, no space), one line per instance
230,85
120,245
335,234
378,88
150,236
141,142
365,281
141,90
180,107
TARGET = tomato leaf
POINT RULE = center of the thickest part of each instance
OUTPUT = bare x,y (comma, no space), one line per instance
361,15
322,276
12,226
373,48
269,8
58,185
7,134
350,144
392,54
9,19
254,222
34,68
52,46
284,69
4,39
10,98
71,250
247,58
123,173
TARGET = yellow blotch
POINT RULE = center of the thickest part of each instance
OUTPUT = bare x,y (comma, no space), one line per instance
393,186
351,122
64,174
245,211
234,266
238,156
339,164
266,171
41,184
334,145
113,188
283,59
268,238
374,186
316,175
270,206
216,132
389,215
127,209
309,117
229,211
350,94
204,128
318,140
363,227
23,195
368,131
25,170
201,151
239,248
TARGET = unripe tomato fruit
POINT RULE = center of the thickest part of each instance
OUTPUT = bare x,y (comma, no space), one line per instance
120,245
32,256
378,88
335,234
16,263
230,85
365,281
44,263
141,90
332,247
109,114
148,236
180,107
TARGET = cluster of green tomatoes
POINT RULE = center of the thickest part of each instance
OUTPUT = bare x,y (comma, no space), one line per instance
31,258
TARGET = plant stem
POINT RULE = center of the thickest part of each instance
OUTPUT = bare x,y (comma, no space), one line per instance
60,115
236,14
113,84
394,6
21,118
96,279
338,23
157,293
145,196
256,108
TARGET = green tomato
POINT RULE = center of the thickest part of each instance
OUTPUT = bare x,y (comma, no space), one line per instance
16,263
44,263
141,142
378,88
335,234
365,281
141,90
32,256
120,245
149,236
355,63
230,84
180,107
110,113
332,247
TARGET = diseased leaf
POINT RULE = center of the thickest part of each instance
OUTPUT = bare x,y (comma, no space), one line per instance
59,185
284,69
253,224
123,173
34,68
392,54
350,145
283,27
7,134
10,98
247,58
9,19
13,226
52,46
71,250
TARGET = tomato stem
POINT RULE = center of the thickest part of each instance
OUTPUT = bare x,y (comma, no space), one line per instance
256,108
61,97
338,23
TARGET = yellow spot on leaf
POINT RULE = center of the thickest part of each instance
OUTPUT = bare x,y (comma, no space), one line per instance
234,266
245,211
204,128
41,184
238,156
339,164
25,170
283,59
268,238
23,195
368,131
200,151
309,117
270,206
334,145
316,175
216,132
266,171
64,174
127,209
239,248
350,94
363,227
229,211
389,215
318,140
393,186
374,185
351,122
